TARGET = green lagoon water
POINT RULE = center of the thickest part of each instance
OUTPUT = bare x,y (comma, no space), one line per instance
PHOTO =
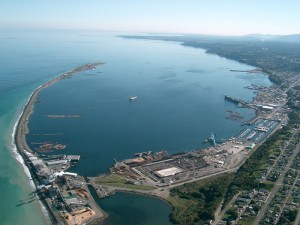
180,101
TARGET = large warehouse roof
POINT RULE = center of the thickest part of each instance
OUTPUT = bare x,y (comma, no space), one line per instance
168,172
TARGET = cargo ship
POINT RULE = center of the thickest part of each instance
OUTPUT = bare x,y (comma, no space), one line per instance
231,99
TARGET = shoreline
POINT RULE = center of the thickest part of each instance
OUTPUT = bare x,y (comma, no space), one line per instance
20,130
20,158
22,126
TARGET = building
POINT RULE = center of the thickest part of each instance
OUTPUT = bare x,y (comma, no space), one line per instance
73,158
56,162
167,172
250,146
267,108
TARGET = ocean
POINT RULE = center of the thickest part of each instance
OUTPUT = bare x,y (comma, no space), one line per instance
180,102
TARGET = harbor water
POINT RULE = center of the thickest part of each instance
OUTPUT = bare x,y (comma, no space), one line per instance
180,102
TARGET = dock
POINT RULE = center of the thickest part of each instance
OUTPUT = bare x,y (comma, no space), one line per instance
235,100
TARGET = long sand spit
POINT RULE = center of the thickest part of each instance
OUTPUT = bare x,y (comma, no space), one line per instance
22,125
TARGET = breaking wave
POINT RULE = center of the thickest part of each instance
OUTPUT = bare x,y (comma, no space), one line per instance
20,159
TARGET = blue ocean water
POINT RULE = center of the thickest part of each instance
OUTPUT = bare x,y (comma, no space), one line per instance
180,101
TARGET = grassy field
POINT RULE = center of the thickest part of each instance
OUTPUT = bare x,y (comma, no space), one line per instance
195,203
118,181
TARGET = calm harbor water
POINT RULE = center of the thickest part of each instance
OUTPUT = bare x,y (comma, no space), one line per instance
180,101
132,207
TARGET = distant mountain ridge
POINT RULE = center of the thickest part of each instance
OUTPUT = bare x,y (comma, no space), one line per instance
292,38
271,37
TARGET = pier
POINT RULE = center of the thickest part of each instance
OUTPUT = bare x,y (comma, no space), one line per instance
235,100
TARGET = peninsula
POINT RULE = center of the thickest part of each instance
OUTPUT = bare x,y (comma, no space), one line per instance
52,183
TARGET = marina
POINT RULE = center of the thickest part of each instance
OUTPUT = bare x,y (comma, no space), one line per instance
257,131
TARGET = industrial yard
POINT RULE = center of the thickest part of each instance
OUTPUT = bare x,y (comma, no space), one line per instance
183,167
65,191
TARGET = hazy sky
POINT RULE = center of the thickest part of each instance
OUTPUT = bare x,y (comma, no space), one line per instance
229,17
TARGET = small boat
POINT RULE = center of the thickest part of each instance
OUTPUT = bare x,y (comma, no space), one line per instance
132,98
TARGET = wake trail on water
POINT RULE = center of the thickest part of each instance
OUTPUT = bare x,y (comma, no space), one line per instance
20,159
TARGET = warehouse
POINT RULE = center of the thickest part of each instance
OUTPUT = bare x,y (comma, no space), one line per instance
167,172
73,158
56,162
268,108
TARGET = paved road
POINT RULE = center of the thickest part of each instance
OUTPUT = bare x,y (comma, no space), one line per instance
204,177
275,189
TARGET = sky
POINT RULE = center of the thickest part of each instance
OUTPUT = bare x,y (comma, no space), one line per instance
217,17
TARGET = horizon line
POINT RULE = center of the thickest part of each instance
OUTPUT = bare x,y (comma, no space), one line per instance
142,32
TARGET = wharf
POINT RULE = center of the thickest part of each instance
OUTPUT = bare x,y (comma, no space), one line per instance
251,121
235,100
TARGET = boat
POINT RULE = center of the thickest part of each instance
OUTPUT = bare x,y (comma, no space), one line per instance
262,129
141,154
132,98
231,99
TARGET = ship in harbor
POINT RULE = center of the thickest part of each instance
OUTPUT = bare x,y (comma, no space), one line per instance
132,98
235,100
232,99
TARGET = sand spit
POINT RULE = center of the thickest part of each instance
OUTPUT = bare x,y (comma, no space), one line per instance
21,130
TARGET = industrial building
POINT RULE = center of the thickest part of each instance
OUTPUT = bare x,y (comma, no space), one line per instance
167,172
73,158
56,162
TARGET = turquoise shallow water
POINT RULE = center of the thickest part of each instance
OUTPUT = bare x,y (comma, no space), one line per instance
179,103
